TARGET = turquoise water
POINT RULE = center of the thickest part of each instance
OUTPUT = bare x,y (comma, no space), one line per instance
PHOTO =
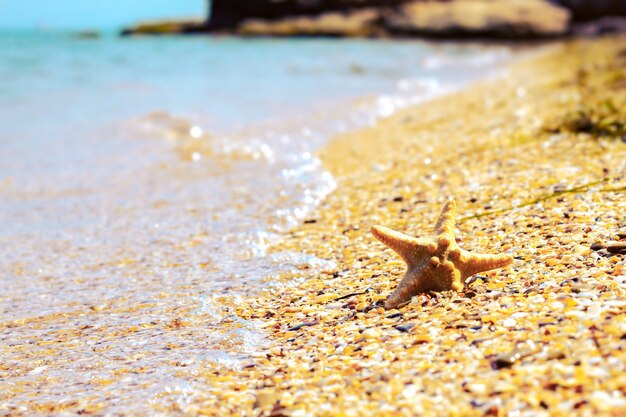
225,82
160,170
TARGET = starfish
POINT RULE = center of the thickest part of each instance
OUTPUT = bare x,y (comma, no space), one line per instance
437,263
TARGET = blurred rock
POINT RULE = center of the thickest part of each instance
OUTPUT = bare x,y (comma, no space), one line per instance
166,27
366,18
599,27
356,23
510,18
513,18
583,10
228,14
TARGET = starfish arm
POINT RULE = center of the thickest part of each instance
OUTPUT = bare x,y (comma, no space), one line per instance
472,263
408,287
410,249
432,275
445,222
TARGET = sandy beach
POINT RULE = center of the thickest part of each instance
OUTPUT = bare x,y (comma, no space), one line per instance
536,161
543,337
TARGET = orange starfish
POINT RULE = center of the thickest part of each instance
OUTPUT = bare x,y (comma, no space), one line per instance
435,264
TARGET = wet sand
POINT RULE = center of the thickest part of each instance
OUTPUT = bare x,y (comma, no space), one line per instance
536,162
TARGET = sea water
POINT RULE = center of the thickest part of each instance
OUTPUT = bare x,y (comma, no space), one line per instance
143,180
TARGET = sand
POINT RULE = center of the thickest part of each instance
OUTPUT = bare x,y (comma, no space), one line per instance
537,164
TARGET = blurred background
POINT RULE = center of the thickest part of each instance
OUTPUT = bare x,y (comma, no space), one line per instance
319,17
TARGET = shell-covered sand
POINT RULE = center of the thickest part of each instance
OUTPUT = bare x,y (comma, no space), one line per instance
536,161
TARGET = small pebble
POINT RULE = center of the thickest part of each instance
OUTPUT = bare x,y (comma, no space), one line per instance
507,360
509,323
552,261
371,333
597,246
405,328
299,326
616,247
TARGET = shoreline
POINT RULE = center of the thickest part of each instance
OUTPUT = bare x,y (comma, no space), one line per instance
527,182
